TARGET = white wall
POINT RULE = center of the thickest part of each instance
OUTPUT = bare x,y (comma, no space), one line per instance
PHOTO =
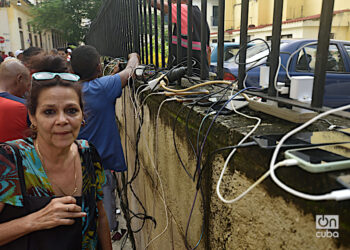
4,31
210,4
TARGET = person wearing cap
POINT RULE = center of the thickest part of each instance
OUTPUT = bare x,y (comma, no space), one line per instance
19,54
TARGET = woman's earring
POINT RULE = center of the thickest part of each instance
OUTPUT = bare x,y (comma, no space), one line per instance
83,123
33,127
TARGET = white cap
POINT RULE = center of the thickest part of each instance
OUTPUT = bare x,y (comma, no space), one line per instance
18,52
69,50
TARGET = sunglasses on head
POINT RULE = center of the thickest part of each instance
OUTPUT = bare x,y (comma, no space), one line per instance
41,76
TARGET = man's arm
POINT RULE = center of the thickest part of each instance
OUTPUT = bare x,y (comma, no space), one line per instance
133,62
166,6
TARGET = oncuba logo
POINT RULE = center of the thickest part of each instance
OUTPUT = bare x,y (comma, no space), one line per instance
326,226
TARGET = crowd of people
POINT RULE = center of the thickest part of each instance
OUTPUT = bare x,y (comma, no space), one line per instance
59,148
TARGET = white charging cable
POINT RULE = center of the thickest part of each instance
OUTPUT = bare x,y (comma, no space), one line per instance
230,156
337,195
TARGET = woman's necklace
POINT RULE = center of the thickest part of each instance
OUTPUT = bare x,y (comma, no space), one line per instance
75,173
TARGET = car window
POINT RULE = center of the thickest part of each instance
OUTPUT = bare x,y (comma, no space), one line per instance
347,47
230,52
256,52
307,59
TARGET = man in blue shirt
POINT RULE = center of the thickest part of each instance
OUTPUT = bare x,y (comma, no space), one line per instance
100,94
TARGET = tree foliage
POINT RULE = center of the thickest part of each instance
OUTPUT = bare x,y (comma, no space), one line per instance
65,17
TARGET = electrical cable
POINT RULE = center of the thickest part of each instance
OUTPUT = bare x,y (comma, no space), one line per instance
263,177
292,55
210,126
163,85
256,39
175,146
200,127
334,195
187,133
232,153
247,144
155,166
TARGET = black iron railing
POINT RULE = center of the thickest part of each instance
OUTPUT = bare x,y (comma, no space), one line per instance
124,26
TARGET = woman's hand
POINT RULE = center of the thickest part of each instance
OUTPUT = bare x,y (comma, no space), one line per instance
60,211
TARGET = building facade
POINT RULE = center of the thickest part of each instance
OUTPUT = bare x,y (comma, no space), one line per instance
301,19
16,31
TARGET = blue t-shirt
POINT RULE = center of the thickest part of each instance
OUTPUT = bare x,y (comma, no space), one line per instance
101,128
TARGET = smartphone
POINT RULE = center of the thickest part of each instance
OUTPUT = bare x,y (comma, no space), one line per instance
271,141
321,159
305,139
344,180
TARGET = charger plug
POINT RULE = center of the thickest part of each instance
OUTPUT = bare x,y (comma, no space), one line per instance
154,84
340,195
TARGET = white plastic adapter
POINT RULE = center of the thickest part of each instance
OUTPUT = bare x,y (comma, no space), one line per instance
264,76
153,84
301,88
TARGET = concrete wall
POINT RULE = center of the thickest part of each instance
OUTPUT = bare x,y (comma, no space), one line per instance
267,218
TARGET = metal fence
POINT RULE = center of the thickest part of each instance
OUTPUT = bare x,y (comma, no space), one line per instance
125,26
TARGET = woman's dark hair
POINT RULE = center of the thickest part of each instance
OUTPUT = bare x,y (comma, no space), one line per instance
39,86
84,61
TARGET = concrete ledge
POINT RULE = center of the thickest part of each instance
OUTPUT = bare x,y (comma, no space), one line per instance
267,218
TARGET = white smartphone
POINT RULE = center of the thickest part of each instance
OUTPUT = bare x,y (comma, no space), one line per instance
321,159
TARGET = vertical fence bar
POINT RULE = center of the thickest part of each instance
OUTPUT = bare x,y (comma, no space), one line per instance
178,26
243,43
322,53
203,38
162,32
156,32
275,45
141,32
221,37
124,43
150,32
146,33
131,26
135,26
127,30
170,30
190,37
126,26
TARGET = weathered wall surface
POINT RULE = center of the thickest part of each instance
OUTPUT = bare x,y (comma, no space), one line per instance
267,218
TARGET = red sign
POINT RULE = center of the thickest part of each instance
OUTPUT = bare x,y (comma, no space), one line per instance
2,39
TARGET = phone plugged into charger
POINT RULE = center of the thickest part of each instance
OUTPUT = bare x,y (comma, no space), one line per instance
321,159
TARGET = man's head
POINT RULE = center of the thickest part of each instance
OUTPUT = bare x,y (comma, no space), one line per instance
62,52
48,63
11,54
85,62
14,77
19,54
29,53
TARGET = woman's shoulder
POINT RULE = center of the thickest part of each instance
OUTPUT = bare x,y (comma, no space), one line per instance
84,145
21,144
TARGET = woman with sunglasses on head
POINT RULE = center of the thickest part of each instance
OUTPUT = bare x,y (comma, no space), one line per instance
51,184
